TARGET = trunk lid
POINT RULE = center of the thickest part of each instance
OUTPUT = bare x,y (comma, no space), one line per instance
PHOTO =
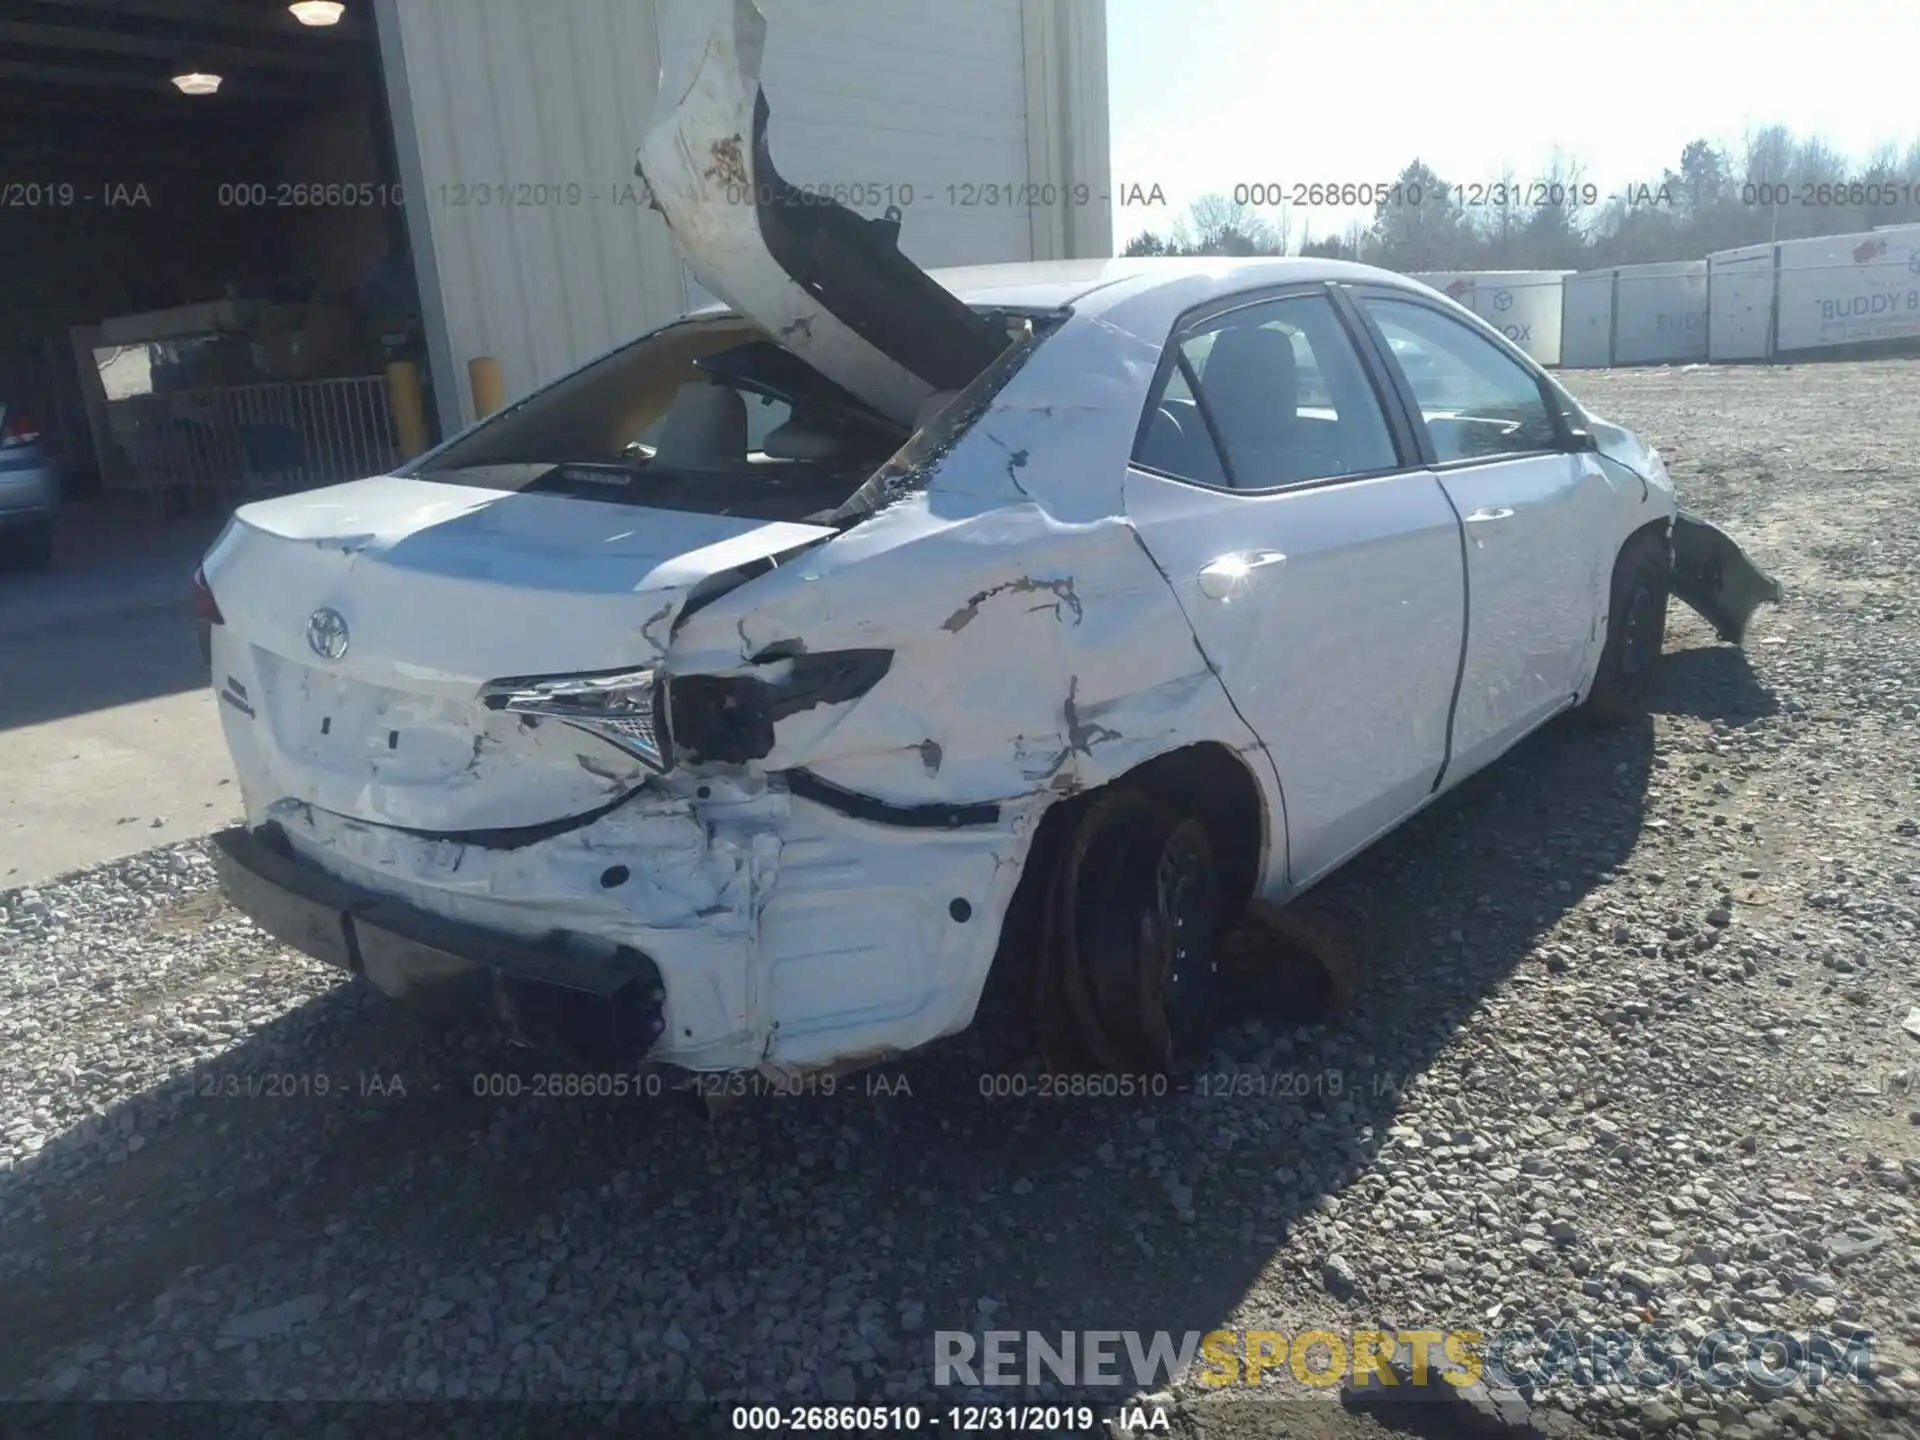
363,623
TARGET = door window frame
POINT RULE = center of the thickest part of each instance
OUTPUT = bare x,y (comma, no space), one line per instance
1570,437
1411,447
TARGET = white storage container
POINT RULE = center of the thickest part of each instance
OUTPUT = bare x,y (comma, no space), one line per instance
1740,303
1524,305
1586,321
1849,289
1660,313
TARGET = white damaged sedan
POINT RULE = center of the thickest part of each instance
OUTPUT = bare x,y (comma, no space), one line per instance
732,702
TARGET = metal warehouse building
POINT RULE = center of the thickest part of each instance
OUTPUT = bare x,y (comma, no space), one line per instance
237,214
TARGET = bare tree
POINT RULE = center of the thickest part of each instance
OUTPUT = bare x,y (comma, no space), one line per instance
1713,200
1218,225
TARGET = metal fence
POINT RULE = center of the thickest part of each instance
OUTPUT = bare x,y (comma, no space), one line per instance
252,439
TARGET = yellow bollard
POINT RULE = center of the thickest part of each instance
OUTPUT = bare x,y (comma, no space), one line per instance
409,411
489,390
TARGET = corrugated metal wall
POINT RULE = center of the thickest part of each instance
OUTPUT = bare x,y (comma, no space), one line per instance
1652,314
1740,303
516,122
489,96
1660,313
910,95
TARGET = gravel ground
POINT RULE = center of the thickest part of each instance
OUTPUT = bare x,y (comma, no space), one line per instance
1628,1054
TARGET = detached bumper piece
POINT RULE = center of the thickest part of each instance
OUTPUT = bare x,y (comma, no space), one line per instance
1714,575
830,284
599,1012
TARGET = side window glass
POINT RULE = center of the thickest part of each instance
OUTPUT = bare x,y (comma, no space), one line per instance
1478,402
1286,395
1175,440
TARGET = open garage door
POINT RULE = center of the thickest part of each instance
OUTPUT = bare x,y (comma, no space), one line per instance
202,243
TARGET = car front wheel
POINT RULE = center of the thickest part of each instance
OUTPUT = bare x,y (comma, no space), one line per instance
1129,970
1636,631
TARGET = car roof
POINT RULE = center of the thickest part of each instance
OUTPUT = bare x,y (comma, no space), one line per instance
1049,284
1053,284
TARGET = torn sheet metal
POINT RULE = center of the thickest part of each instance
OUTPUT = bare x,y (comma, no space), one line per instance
1711,573
786,933
825,282
439,591
879,711
1036,648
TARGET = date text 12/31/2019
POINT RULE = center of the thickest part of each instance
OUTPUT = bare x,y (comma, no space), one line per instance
294,1085
1487,194
954,1419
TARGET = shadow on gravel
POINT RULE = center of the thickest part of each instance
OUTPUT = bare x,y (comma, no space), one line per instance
948,1184
1714,682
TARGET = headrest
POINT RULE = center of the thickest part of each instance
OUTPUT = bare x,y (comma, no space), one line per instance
705,429
790,440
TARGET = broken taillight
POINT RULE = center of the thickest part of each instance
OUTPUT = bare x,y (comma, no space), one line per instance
622,707
18,430
204,605
729,719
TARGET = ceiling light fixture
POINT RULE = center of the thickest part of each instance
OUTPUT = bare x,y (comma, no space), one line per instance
195,82
317,12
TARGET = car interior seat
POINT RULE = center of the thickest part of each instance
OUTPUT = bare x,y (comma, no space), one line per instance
705,429
1252,388
795,440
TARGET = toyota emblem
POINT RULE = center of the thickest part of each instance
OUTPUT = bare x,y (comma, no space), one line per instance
327,634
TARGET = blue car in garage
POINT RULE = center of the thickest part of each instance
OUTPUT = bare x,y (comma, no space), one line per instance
29,491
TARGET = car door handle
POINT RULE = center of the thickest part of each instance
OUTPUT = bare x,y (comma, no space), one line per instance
1221,578
1487,514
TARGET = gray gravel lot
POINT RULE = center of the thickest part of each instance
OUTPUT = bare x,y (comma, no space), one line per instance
1628,1053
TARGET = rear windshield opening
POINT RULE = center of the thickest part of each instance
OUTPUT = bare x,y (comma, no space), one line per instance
707,415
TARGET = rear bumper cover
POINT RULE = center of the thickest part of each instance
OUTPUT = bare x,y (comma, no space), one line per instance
603,1010
830,284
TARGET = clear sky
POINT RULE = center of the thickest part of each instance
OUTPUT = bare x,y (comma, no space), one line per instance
1206,94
